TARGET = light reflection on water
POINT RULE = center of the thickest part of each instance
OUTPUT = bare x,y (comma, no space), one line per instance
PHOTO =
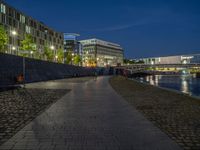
185,83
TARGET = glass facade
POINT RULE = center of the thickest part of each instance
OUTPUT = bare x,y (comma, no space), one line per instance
71,44
195,59
18,24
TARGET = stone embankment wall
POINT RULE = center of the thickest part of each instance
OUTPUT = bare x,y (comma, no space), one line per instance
36,70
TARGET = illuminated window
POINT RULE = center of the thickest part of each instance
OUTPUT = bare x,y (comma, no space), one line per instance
22,19
3,9
28,29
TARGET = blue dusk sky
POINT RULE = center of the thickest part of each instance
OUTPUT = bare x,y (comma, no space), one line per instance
144,28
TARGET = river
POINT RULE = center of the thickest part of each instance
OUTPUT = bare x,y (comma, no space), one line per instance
184,83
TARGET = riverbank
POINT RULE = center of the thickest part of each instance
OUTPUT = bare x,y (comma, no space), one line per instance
175,114
187,84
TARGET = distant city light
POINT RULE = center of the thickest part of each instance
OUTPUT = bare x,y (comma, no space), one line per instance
152,62
52,47
14,32
184,61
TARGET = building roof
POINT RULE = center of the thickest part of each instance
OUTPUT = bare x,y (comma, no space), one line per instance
184,55
96,41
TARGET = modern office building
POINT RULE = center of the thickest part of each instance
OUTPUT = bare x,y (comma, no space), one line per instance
101,53
17,24
72,44
179,59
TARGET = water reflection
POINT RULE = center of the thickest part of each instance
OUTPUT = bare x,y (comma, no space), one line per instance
184,86
153,80
185,83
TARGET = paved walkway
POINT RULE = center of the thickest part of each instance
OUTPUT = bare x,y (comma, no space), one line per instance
91,117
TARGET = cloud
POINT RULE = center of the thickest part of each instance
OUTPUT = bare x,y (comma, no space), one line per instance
116,28
119,27
164,16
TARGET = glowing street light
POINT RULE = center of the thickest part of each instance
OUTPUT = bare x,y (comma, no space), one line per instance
14,32
56,58
31,52
52,47
13,48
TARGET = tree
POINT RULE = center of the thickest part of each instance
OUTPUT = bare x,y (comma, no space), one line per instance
125,61
68,57
77,59
48,53
129,61
38,55
132,61
3,39
60,55
28,45
140,62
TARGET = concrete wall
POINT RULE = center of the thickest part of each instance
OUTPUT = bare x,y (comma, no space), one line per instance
36,70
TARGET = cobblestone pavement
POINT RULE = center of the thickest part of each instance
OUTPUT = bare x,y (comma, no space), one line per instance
18,107
175,114
92,116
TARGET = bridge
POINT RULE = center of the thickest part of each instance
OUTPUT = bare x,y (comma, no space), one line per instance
135,68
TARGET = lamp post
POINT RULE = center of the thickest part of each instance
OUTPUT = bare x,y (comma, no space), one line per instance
97,62
56,58
13,33
53,48
31,54
72,59
13,48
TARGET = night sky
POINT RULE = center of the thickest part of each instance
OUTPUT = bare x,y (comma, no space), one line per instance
143,28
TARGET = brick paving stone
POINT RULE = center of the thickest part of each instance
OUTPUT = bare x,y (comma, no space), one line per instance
20,106
92,116
175,114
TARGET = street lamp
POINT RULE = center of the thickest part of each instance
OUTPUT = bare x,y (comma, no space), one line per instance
31,54
97,62
13,48
52,47
56,58
72,58
14,33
